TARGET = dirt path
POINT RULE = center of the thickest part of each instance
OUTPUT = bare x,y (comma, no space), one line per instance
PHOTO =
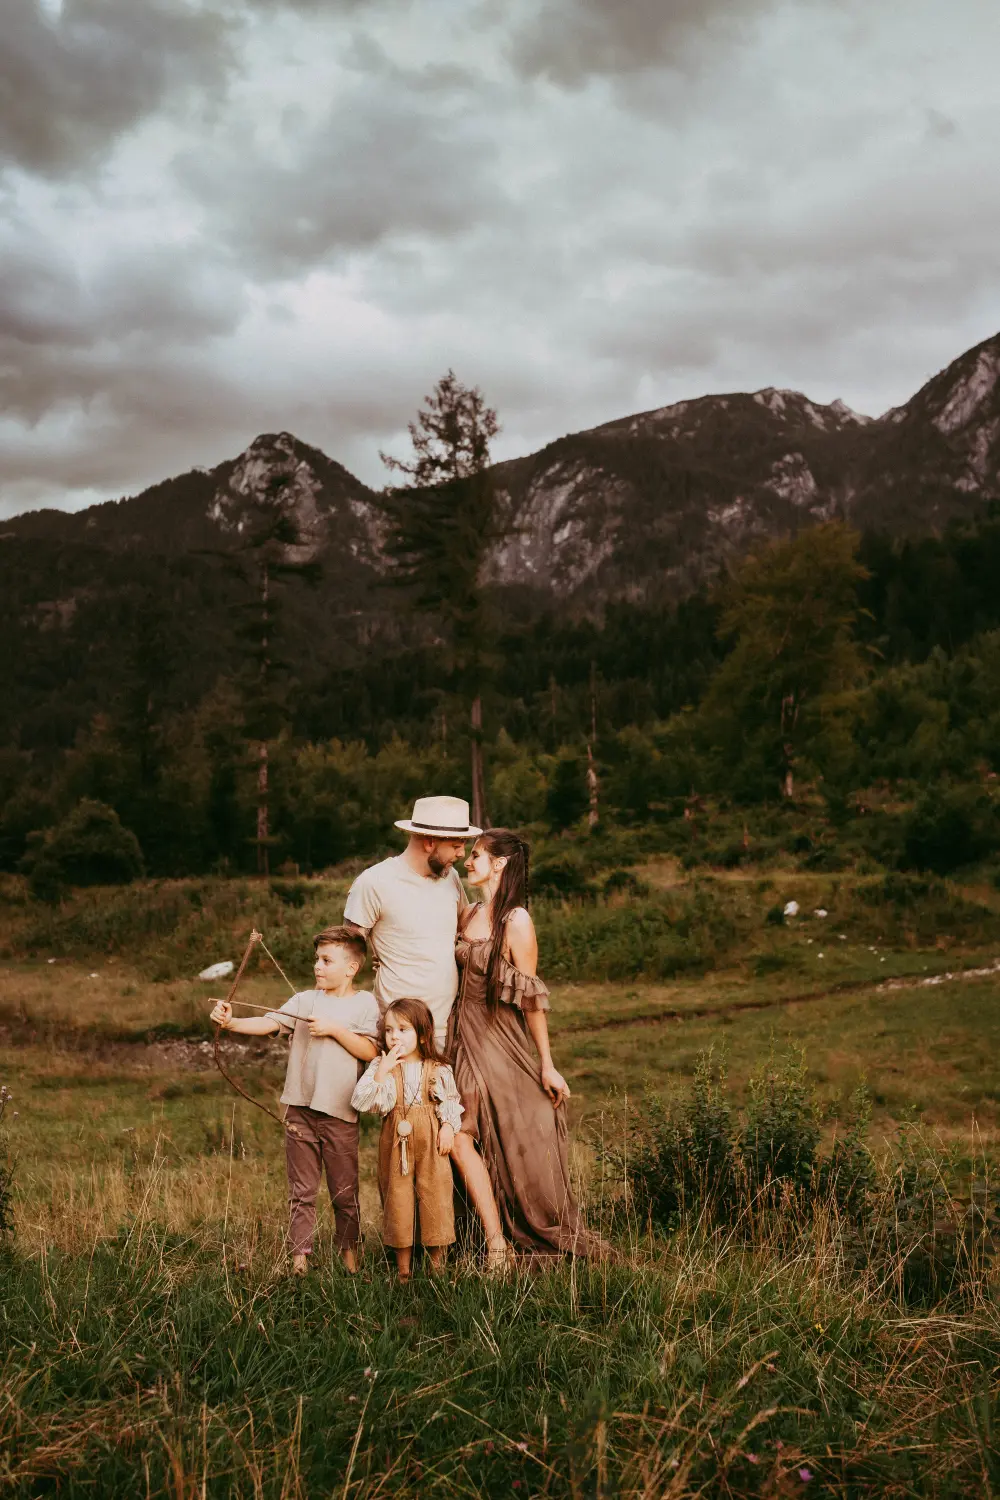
192,1053
777,1002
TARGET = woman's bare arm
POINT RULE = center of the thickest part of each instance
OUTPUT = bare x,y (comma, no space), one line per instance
522,944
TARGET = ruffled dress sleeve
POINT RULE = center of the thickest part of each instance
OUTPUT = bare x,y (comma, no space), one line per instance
372,1097
447,1099
526,992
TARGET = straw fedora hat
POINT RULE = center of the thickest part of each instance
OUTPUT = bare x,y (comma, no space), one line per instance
441,818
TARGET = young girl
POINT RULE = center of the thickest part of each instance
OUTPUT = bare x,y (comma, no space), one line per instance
414,1089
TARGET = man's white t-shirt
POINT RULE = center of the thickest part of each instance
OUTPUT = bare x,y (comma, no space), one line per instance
411,921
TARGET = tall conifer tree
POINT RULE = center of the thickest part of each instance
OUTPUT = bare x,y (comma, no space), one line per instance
440,526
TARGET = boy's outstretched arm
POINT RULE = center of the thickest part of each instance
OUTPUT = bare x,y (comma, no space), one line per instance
222,1015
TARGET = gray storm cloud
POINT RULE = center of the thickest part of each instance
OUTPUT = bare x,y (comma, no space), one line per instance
220,218
72,80
572,40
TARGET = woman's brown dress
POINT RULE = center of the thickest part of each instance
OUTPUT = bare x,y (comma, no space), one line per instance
523,1140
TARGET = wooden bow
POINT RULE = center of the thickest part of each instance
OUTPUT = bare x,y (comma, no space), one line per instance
255,938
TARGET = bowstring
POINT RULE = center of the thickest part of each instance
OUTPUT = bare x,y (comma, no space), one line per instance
255,938
276,965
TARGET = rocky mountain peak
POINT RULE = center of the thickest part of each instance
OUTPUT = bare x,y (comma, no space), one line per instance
279,471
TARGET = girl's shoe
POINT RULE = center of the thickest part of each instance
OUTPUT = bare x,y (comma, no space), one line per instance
300,1265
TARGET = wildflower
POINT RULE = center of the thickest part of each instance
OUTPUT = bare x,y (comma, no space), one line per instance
488,1448
752,1458
819,1328
805,1475
521,1447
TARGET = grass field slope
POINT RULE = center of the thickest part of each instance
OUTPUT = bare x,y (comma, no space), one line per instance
785,1124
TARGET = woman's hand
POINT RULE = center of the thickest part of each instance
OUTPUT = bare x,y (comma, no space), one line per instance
446,1139
222,1014
555,1086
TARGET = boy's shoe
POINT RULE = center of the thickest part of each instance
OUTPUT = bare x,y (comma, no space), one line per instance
300,1265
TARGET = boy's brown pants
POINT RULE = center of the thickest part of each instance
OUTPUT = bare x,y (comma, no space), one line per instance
322,1143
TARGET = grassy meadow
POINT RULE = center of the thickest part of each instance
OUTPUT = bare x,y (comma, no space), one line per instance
152,1343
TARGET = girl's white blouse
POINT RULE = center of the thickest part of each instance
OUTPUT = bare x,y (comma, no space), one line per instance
381,1097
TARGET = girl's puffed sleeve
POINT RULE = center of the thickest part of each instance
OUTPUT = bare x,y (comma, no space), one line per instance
373,1097
447,1099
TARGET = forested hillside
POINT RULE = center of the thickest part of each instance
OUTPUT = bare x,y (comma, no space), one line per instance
752,599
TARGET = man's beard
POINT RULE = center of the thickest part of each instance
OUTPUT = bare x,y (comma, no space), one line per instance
437,865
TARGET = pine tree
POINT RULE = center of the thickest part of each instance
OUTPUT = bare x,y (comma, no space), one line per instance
439,529
272,552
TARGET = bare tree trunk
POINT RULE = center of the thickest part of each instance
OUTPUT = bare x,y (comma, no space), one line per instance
479,815
593,787
263,864
789,719
593,782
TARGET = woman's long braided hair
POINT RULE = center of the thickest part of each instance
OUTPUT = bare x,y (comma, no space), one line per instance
512,892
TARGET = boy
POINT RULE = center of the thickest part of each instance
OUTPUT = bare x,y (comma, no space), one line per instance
333,1028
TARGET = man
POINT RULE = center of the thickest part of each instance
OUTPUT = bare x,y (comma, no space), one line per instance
407,907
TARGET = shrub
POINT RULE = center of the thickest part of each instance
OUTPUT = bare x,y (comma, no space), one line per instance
6,1172
291,892
921,909
89,847
780,1135
684,1156
624,883
568,797
949,829
562,875
695,1155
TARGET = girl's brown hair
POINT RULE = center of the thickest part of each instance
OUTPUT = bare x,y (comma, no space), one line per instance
420,1018
512,892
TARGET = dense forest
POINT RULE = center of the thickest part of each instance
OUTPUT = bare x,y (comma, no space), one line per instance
820,668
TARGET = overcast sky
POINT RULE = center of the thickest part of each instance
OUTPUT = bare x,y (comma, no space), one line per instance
223,217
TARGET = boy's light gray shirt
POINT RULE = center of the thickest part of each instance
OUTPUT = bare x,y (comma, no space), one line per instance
412,922
322,1074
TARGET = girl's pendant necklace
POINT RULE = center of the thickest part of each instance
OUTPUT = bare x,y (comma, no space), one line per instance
404,1128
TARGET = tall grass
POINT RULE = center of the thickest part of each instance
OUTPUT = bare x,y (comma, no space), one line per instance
782,1347
703,1367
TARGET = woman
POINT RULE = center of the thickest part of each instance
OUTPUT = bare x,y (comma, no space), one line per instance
512,1147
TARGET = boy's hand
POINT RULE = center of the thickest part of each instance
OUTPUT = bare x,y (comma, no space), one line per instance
446,1139
321,1028
222,1014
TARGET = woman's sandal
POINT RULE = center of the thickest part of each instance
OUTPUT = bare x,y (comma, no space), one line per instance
499,1256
